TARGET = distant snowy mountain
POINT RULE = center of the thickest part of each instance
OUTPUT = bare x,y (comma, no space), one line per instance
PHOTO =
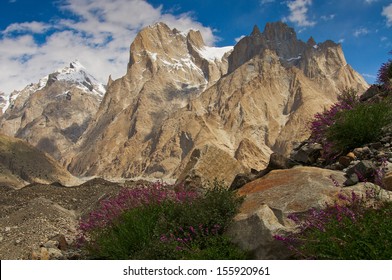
53,113
75,74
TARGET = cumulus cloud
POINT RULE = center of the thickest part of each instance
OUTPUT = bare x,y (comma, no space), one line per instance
387,12
299,12
98,33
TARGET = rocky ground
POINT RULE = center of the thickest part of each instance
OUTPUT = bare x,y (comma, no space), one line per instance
40,221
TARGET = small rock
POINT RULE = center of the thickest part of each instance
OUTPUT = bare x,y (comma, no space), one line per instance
361,153
240,180
364,168
345,161
307,154
55,254
44,254
7,229
351,155
377,145
387,181
51,244
352,179
18,241
278,161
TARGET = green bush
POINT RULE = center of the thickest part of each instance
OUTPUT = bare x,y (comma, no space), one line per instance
354,228
367,238
169,228
361,125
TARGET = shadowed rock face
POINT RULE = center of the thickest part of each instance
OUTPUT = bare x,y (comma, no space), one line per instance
177,97
22,164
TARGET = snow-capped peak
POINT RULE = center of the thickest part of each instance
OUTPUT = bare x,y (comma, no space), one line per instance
76,73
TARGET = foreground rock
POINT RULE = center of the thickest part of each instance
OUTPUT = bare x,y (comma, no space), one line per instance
269,200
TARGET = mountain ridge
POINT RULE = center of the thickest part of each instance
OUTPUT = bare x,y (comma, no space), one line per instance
168,104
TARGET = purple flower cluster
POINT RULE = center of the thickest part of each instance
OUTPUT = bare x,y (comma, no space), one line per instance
384,76
347,207
183,237
110,209
323,121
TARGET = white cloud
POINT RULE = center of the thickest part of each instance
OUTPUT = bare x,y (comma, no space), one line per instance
27,27
341,40
370,1
369,76
387,12
98,34
361,31
298,12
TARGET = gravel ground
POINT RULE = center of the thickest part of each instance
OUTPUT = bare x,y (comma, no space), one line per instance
35,214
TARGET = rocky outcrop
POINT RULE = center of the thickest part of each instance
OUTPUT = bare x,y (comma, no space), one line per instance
207,165
269,200
53,113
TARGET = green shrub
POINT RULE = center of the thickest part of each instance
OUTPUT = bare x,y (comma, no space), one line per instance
361,125
353,231
164,226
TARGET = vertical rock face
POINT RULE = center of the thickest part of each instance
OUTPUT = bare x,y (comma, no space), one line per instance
179,95
166,70
53,113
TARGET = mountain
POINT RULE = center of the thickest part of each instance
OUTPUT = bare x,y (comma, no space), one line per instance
179,95
3,102
22,164
53,113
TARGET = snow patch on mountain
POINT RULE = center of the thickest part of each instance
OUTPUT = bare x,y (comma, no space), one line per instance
212,53
75,73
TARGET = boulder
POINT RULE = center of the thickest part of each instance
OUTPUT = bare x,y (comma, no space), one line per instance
269,200
278,161
254,232
240,180
308,153
365,170
208,164
387,181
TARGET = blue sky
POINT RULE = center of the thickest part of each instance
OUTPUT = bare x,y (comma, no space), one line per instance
38,37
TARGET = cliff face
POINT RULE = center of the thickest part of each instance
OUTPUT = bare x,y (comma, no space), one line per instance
179,94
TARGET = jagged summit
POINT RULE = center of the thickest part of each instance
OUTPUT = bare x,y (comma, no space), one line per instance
255,31
76,73
179,95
